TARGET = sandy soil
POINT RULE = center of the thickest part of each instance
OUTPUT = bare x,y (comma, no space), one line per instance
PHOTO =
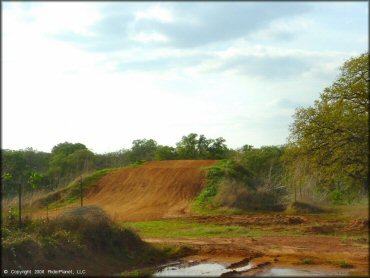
157,189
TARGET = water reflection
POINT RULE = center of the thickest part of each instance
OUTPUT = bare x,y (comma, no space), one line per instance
205,269
216,270
293,272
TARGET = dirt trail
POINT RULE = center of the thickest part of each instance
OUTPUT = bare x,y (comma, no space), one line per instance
158,189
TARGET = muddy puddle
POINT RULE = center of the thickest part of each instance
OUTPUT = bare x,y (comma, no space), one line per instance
199,269
216,270
205,269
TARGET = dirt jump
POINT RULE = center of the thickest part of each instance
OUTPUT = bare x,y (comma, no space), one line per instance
157,189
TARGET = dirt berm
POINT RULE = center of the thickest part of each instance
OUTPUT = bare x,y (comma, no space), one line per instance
157,189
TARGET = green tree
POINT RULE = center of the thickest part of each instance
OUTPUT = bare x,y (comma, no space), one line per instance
67,148
265,163
332,135
194,147
165,153
143,149
187,147
112,159
217,149
20,164
203,146
68,161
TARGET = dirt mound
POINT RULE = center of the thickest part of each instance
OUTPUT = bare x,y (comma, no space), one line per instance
155,190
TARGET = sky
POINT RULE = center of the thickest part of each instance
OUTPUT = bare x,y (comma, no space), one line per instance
107,73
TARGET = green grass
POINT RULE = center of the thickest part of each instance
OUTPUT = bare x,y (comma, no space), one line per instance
182,228
214,176
344,264
136,164
307,261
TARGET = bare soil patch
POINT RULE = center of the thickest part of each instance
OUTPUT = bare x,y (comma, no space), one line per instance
157,189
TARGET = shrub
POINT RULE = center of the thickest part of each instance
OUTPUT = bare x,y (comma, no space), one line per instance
235,194
96,229
337,197
231,185
300,207
77,235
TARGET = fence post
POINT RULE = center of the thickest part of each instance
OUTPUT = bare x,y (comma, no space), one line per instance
20,204
81,191
47,212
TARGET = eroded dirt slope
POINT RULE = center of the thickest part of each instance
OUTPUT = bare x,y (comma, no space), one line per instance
158,189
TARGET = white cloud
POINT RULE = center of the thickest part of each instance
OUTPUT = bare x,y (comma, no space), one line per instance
156,13
284,29
54,17
149,37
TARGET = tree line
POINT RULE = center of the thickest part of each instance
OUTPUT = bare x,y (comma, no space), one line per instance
34,169
326,156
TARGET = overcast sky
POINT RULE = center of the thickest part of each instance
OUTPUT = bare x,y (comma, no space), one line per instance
105,74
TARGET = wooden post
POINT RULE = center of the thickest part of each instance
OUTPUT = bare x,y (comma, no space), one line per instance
295,192
81,192
20,204
47,212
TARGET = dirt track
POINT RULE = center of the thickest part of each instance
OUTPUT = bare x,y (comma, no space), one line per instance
166,189
158,189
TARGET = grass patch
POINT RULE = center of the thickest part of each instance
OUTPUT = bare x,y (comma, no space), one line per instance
363,238
138,273
344,264
172,228
136,164
214,175
307,261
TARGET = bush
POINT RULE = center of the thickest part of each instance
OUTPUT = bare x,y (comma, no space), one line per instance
96,229
300,207
337,197
234,194
85,236
231,185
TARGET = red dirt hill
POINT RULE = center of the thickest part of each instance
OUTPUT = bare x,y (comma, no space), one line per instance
157,189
